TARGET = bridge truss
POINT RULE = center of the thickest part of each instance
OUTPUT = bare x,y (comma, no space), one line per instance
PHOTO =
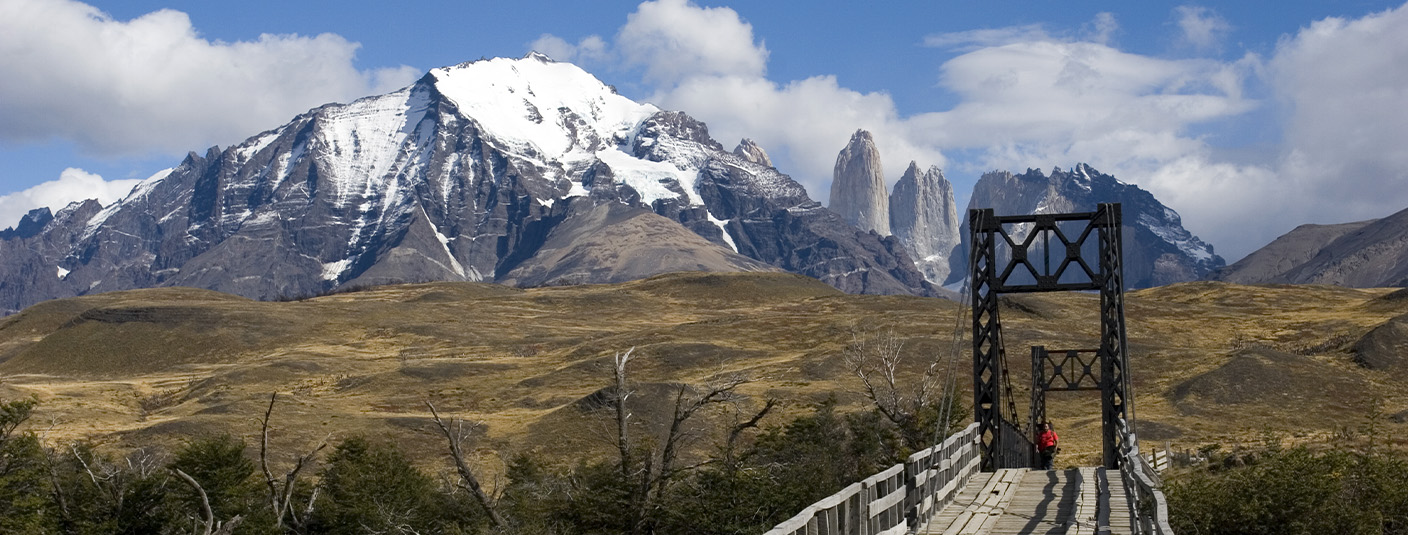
915,496
1047,253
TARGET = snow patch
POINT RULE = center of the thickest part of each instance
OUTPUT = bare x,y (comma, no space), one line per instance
333,270
722,224
264,218
649,178
366,139
577,190
286,162
62,272
1176,235
445,243
252,146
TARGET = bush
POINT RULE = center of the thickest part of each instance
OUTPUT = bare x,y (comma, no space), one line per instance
227,475
373,488
1294,491
24,503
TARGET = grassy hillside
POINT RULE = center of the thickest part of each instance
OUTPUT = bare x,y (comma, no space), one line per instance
1211,361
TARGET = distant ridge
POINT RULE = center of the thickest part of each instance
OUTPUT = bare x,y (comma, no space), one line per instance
1363,254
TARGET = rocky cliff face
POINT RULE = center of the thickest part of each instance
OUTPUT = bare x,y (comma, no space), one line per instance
925,220
858,190
1157,249
1363,254
464,175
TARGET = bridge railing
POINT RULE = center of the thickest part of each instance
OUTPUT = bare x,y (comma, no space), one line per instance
898,498
1143,488
1017,449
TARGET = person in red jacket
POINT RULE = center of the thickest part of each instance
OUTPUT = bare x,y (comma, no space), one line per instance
1046,446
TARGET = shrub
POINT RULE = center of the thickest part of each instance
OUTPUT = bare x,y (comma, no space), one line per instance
1294,491
24,507
373,488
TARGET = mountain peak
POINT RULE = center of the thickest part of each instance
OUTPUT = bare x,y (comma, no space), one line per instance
539,106
1158,249
858,190
924,218
749,150
538,56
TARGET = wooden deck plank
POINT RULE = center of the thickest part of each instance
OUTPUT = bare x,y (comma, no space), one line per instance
1116,505
979,505
1044,504
1010,502
949,515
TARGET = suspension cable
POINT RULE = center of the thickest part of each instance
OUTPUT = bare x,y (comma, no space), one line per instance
950,395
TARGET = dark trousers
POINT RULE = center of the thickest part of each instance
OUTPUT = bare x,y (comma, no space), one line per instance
1048,458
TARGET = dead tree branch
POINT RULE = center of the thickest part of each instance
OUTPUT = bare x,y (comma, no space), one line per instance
750,423
280,499
620,395
212,527
467,480
720,390
878,359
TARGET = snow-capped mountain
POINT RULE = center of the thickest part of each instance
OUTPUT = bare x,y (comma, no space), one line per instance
1157,249
461,176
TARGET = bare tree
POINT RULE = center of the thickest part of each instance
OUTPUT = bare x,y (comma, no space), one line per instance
877,359
112,480
650,480
212,527
468,482
740,425
687,402
281,496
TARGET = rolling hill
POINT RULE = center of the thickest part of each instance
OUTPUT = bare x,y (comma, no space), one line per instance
1212,362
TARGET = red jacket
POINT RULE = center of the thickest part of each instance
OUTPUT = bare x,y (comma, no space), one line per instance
1047,439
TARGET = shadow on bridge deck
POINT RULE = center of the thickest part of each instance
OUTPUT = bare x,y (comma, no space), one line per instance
1030,501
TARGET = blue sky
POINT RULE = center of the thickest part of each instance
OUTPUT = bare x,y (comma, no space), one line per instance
1248,118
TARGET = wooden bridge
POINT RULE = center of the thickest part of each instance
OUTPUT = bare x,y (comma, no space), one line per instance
980,480
941,490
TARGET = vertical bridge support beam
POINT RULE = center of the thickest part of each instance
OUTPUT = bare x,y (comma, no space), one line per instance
989,357
1116,399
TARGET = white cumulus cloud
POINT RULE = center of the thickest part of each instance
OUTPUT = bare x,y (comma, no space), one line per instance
974,39
1345,84
1027,98
802,124
72,185
676,39
153,84
1201,27
590,49
707,62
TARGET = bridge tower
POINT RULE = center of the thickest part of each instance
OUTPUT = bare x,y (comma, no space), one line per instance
1003,252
